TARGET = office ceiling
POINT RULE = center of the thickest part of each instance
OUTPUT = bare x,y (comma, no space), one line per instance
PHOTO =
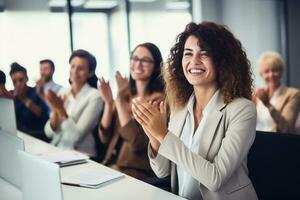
90,5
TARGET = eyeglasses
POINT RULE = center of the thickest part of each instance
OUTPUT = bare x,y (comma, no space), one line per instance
144,61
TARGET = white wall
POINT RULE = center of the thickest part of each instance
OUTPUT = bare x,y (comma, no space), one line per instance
256,23
90,33
148,26
27,37
119,45
294,41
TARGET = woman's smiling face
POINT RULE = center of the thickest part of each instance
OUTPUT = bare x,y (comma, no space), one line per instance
197,66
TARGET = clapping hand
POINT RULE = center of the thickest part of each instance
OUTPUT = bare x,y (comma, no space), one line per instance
262,94
105,91
40,86
152,117
123,93
56,103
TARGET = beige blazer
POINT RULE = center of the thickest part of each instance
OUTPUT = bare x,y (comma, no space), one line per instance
286,110
221,163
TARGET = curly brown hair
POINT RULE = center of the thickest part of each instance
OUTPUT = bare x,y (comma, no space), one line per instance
234,75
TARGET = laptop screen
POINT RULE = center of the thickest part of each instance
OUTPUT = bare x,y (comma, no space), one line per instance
40,178
7,115
10,166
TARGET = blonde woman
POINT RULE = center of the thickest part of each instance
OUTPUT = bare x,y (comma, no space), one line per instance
277,105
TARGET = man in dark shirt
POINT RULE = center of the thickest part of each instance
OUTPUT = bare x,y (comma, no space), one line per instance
31,111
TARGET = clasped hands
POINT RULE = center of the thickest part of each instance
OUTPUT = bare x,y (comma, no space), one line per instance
152,116
56,103
262,94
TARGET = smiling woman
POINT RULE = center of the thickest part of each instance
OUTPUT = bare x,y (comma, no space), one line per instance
127,142
277,105
76,111
197,66
212,121
232,68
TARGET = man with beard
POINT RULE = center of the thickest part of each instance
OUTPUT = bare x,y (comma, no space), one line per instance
46,82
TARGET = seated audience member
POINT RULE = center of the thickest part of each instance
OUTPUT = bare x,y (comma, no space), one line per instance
31,111
46,82
277,105
75,112
3,90
127,143
212,121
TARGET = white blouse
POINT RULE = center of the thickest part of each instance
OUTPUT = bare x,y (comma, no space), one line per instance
51,85
187,185
76,131
264,119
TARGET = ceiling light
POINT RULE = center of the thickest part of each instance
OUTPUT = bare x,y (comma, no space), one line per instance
142,1
57,3
177,5
77,3
100,4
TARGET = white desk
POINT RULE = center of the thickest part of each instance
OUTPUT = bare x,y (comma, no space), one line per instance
124,188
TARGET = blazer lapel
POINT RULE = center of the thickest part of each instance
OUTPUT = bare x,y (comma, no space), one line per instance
177,120
210,127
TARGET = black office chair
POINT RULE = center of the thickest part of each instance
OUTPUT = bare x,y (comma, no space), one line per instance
274,165
100,147
162,183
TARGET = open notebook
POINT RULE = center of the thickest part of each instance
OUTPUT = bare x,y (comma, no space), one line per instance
92,178
65,158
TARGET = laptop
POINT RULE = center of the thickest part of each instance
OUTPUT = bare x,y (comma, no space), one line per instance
40,178
9,163
7,115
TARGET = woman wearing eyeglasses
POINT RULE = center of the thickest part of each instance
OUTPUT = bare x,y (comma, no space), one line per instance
127,142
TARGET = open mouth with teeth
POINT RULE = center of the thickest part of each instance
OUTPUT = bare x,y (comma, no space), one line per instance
138,71
196,71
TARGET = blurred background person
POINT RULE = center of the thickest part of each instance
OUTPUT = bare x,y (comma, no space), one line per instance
3,91
127,142
277,105
76,111
31,111
46,82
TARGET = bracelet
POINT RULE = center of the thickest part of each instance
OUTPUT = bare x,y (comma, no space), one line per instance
28,103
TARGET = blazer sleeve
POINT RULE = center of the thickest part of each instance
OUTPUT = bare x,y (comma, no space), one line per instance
159,164
234,148
134,134
71,131
286,119
48,130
